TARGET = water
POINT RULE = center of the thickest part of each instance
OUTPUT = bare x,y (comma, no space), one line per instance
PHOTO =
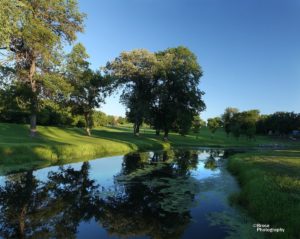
160,195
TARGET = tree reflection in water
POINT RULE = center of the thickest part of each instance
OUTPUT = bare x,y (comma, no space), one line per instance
152,196
52,209
156,197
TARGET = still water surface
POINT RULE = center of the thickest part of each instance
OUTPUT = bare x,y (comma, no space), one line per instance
161,195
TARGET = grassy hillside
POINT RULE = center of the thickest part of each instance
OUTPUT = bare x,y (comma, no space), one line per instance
55,145
270,188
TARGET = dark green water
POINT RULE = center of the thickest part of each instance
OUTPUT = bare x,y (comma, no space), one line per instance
162,195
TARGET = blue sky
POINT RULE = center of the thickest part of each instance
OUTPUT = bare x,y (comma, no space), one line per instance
249,50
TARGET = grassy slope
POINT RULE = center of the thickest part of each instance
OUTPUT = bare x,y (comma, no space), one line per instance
56,145
270,188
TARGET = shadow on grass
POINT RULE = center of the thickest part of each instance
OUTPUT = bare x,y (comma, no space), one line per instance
141,142
282,164
55,146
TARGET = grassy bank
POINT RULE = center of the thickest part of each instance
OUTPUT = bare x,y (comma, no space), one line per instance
55,145
270,188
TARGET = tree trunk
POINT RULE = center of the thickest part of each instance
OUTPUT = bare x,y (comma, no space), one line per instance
27,194
87,124
33,124
33,101
166,134
136,129
22,218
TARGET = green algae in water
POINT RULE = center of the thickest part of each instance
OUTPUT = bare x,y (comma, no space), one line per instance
238,225
142,172
177,195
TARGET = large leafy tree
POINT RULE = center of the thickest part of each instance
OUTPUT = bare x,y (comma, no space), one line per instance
227,118
244,123
162,88
178,97
89,87
135,71
38,30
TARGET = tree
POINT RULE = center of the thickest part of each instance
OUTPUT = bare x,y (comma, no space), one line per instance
198,123
178,97
36,39
135,71
89,87
280,123
244,123
10,15
248,124
213,124
13,106
100,119
161,89
122,120
227,118
261,125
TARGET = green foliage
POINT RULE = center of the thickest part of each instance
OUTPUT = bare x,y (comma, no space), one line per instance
89,88
10,16
122,120
244,123
197,124
41,26
136,71
14,107
100,119
279,123
52,114
33,35
214,123
227,118
178,97
240,123
160,89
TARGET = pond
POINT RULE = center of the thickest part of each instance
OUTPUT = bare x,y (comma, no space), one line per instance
172,194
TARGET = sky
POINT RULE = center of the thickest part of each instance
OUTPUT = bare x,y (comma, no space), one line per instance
249,50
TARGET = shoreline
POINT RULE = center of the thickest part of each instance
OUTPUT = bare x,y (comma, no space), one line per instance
54,145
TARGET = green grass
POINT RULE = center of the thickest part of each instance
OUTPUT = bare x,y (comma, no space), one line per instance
270,188
55,145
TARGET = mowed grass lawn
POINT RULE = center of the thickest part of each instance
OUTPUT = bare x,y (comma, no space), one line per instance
270,188
54,145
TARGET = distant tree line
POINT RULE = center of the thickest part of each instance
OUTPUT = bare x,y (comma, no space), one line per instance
52,115
249,123
279,123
